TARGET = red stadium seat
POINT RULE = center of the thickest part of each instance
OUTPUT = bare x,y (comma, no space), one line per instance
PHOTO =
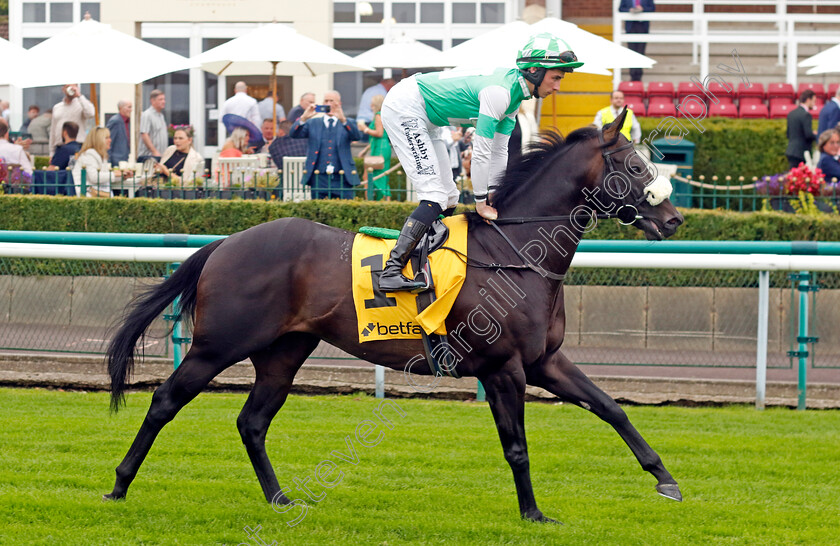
815,87
749,101
661,89
635,89
636,104
784,90
691,108
685,89
818,106
754,111
753,90
832,90
781,100
723,110
661,109
720,92
780,110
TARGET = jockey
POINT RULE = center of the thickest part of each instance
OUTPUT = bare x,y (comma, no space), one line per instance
418,108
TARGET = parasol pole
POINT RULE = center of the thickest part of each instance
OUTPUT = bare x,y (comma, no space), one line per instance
95,103
274,94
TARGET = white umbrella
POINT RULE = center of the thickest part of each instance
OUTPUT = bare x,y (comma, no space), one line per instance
12,61
281,48
821,57
404,52
500,46
94,52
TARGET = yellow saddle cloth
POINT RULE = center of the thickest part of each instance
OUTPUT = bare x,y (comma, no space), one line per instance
393,315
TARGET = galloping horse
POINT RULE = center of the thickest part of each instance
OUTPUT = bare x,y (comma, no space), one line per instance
298,292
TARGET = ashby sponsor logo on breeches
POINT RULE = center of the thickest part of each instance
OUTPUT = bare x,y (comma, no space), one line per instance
418,148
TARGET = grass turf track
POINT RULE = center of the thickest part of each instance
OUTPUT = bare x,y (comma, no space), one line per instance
438,477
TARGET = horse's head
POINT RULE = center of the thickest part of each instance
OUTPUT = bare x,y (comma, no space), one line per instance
630,187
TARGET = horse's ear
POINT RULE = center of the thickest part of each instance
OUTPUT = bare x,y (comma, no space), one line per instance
611,131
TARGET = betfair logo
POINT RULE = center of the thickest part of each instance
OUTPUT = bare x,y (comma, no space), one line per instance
392,329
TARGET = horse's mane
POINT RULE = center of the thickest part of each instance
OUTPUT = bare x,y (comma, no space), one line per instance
549,145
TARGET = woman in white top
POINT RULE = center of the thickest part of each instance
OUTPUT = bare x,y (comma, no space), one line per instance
93,157
180,161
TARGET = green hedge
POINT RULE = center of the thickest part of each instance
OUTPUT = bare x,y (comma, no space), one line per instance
736,147
208,216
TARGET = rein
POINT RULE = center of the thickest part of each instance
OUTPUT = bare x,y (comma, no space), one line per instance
626,214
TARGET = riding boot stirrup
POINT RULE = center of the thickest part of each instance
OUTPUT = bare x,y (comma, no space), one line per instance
392,279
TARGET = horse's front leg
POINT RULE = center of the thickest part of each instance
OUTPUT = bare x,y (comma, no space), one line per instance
506,395
558,375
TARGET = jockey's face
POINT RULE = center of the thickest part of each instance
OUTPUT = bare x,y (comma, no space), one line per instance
551,83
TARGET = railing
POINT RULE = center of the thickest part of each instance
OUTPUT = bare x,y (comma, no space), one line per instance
792,29
651,311
230,179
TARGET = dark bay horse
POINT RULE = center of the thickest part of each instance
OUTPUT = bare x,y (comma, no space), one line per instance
296,292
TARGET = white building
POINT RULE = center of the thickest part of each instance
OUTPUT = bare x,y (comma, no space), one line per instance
188,27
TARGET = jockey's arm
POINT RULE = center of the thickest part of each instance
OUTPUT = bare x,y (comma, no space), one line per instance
490,151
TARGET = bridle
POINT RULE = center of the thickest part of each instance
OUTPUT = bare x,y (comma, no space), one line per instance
626,213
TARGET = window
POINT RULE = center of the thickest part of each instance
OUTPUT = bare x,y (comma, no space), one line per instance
404,12
92,8
431,13
463,13
34,12
176,86
31,42
344,12
61,12
458,41
493,13
377,15
437,44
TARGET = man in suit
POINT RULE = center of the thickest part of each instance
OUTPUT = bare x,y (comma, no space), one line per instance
119,125
800,131
636,27
328,150
830,114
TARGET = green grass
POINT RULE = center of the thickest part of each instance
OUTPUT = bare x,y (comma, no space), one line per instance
438,477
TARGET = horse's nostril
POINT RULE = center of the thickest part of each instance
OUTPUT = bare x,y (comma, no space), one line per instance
675,221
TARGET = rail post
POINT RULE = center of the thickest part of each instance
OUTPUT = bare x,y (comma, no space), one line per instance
761,348
177,327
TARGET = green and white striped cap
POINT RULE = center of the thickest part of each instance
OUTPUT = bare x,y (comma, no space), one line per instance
545,50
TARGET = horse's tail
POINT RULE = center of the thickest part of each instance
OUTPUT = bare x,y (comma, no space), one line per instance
146,308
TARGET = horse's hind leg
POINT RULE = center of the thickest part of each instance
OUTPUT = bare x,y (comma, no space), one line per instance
561,377
276,367
197,369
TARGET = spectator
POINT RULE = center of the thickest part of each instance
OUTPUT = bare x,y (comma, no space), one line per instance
800,132
39,128
154,135
637,27
12,153
5,112
242,105
180,161
73,107
631,128
305,100
119,126
379,146
265,109
93,159
286,146
830,114
69,147
328,150
365,113
31,114
267,134
237,143
829,146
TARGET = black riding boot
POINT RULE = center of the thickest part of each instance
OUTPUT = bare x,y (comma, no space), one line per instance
392,279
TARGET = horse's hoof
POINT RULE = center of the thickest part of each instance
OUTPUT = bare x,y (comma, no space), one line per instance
112,497
540,518
669,491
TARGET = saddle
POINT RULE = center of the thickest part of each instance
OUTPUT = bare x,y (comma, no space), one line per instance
434,239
